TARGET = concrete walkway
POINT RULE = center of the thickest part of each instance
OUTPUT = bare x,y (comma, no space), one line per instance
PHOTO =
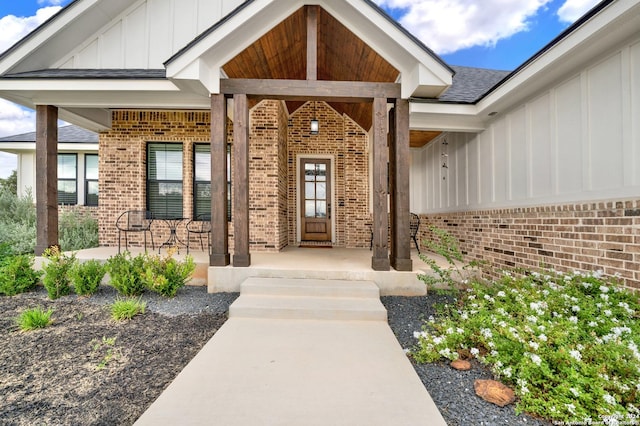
277,362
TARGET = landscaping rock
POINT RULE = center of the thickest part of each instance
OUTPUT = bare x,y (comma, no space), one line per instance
494,392
461,364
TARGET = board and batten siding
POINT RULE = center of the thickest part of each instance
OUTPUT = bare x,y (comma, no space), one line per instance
148,33
577,141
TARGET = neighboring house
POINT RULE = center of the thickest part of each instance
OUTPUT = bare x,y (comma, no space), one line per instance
540,166
77,164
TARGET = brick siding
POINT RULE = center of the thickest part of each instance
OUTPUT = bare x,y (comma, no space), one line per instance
276,141
587,237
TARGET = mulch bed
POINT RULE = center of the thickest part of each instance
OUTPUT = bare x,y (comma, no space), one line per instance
70,374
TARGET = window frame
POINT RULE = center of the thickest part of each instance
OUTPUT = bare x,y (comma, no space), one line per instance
149,181
87,180
196,213
75,179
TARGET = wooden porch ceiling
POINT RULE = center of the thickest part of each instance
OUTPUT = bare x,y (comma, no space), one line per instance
341,56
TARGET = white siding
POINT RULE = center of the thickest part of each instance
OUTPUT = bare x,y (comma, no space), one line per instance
577,141
148,33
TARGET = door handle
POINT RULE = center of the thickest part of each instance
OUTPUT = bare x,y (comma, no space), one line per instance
328,210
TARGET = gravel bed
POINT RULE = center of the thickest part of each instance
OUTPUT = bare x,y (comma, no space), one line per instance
451,390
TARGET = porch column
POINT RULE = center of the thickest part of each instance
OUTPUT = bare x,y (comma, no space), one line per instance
380,259
399,182
219,227
46,177
241,256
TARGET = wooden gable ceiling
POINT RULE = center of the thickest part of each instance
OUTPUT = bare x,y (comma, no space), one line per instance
342,56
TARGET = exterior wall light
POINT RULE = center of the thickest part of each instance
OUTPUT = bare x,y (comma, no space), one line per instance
315,124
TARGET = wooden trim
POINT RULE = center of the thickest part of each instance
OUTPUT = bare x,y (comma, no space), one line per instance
241,256
46,177
303,90
312,42
399,165
219,225
380,259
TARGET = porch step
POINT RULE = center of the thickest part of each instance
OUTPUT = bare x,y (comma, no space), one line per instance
308,287
277,298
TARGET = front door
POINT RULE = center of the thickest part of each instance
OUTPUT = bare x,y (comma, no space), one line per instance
315,196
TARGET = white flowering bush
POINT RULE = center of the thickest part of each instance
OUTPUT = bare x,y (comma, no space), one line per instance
567,343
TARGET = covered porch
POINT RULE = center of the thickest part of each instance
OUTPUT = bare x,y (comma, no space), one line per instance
298,263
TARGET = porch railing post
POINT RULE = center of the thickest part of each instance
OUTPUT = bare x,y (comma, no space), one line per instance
46,177
241,256
380,259
219,226
399,181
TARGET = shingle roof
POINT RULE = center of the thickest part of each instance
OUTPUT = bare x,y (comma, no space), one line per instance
470,84
91,73
66,134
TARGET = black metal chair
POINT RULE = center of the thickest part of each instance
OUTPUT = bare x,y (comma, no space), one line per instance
414,227
135,221
200,225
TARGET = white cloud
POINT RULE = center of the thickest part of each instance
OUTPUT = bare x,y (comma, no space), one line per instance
13,28
574,9
450,25
51,2
15,119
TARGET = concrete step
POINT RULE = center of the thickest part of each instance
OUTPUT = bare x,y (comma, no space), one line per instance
308,307
288,298
309,287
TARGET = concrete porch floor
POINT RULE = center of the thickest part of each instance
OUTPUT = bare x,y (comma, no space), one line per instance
294,262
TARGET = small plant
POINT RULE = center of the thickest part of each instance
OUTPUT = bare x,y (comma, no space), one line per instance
167,275
125,309
456,272
107,344
32,319
87,276
126,273
57,271
17,274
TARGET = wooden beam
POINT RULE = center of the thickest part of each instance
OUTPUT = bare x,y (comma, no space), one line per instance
312,42
399,163
46,177
241,256
303,90
380,259
219,226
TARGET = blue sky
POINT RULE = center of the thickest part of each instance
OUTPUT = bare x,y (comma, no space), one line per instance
497,34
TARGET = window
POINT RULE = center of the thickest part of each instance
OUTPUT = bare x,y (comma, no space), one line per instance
67,179
202,180
164,180
91,179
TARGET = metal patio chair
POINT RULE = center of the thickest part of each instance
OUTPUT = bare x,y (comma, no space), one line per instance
200,226
135,221
414,227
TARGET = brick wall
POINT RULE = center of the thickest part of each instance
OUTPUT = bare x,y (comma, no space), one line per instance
276,141
590,236
122,157
347,143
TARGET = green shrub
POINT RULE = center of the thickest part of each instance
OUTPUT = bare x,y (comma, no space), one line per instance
17,222
34,318
166,275
456,272
125,309
568,343
77,231
126,272
86,277
17,274
57,272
